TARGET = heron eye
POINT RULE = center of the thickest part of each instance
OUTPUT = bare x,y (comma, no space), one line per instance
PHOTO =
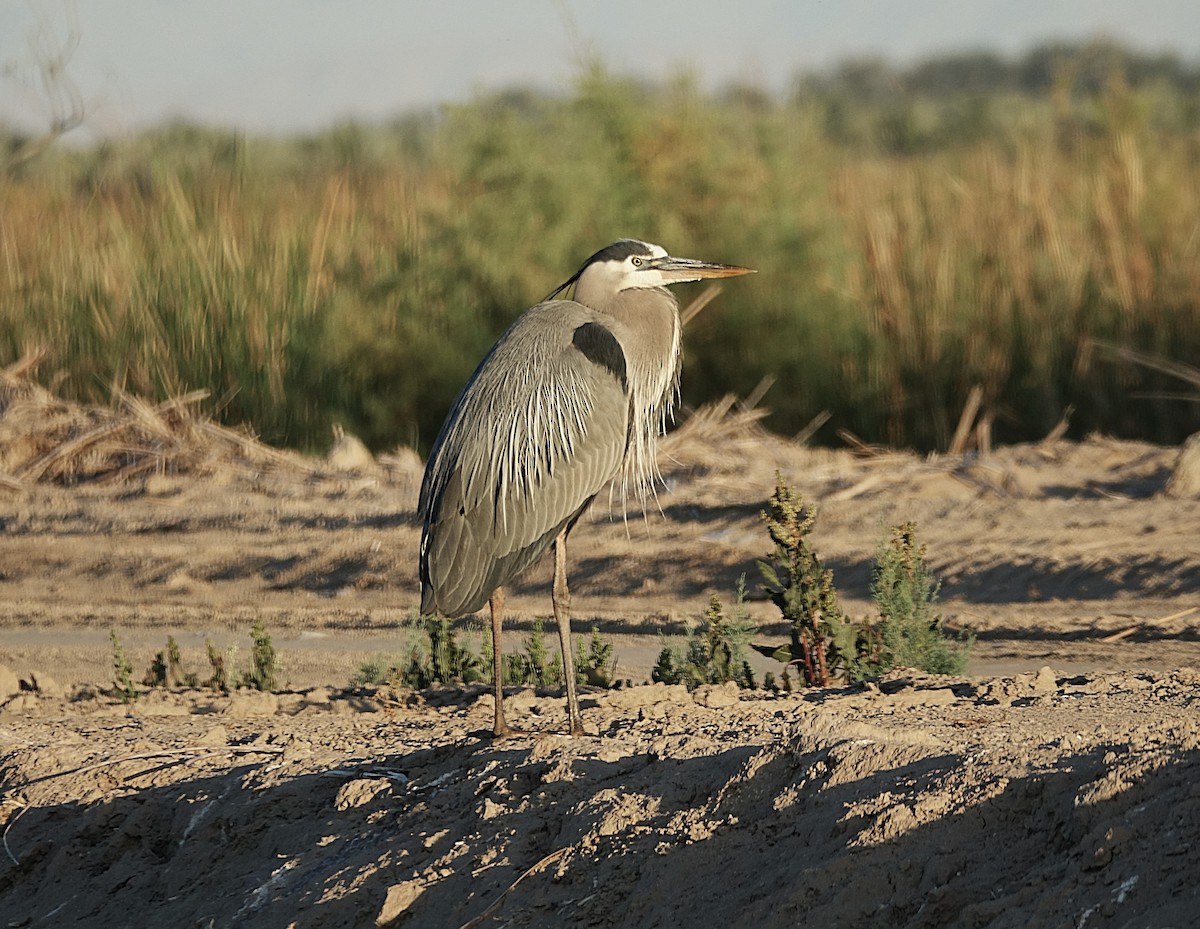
637,262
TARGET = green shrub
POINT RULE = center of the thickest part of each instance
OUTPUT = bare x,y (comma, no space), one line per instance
432,655
166,669
123,685
264,663
594,663
714,654
802,588
910,630
449,661
825,643
219,678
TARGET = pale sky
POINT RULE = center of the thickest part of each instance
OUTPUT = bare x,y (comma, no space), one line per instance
285,65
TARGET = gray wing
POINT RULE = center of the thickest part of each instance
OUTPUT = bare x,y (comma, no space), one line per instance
540,428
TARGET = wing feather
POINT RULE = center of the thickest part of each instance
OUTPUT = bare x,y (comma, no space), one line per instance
538,431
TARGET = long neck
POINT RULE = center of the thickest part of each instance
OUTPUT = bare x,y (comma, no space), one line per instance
651,317
652,334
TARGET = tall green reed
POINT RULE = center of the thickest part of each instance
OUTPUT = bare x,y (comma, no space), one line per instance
357,276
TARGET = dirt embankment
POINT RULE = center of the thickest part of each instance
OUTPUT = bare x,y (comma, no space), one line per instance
1019,795
1037,800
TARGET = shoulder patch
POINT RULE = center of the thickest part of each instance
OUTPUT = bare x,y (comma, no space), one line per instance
600,346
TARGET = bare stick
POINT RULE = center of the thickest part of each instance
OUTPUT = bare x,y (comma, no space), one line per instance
7,850
1182,613
549,859
958,444
754,398
802,437
860,448
693,309
204,751
27,363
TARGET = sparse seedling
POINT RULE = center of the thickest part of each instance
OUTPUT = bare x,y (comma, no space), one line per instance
666,670
219,679
594,663
449,661
156,675
437,657
123,685
532,667
715,653
264,663
910,630
166,670
371,672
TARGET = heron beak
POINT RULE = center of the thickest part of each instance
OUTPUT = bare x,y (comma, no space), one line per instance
677,270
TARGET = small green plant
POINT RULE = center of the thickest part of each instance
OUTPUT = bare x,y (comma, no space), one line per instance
123,685
449,661
801,586
433,655
594,662
667,669
166,670
824,641
532,666
219,679
715,653
437,657
910,629
411,669
156,675
264,663
370,672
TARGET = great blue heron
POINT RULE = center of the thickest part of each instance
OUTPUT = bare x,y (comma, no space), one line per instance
572,396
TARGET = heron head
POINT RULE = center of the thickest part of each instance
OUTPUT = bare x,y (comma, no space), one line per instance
631,264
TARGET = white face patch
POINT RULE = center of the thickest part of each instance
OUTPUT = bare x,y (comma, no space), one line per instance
632,271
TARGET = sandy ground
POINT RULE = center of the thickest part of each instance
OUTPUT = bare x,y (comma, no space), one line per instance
1053,785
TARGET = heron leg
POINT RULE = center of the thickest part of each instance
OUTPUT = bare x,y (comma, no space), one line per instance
561,597
496,603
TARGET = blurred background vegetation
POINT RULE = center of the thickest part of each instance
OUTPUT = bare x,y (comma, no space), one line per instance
970,222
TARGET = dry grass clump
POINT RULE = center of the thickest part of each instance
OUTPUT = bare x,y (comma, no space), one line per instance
718,434
46,439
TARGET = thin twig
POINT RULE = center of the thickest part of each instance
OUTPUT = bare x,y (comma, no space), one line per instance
754,398
857,489
204,751
254,449
552,857
958,444
34,470
1182,613
1060,428
693,309
21,368
802,437
7,850
858,446
1185,372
